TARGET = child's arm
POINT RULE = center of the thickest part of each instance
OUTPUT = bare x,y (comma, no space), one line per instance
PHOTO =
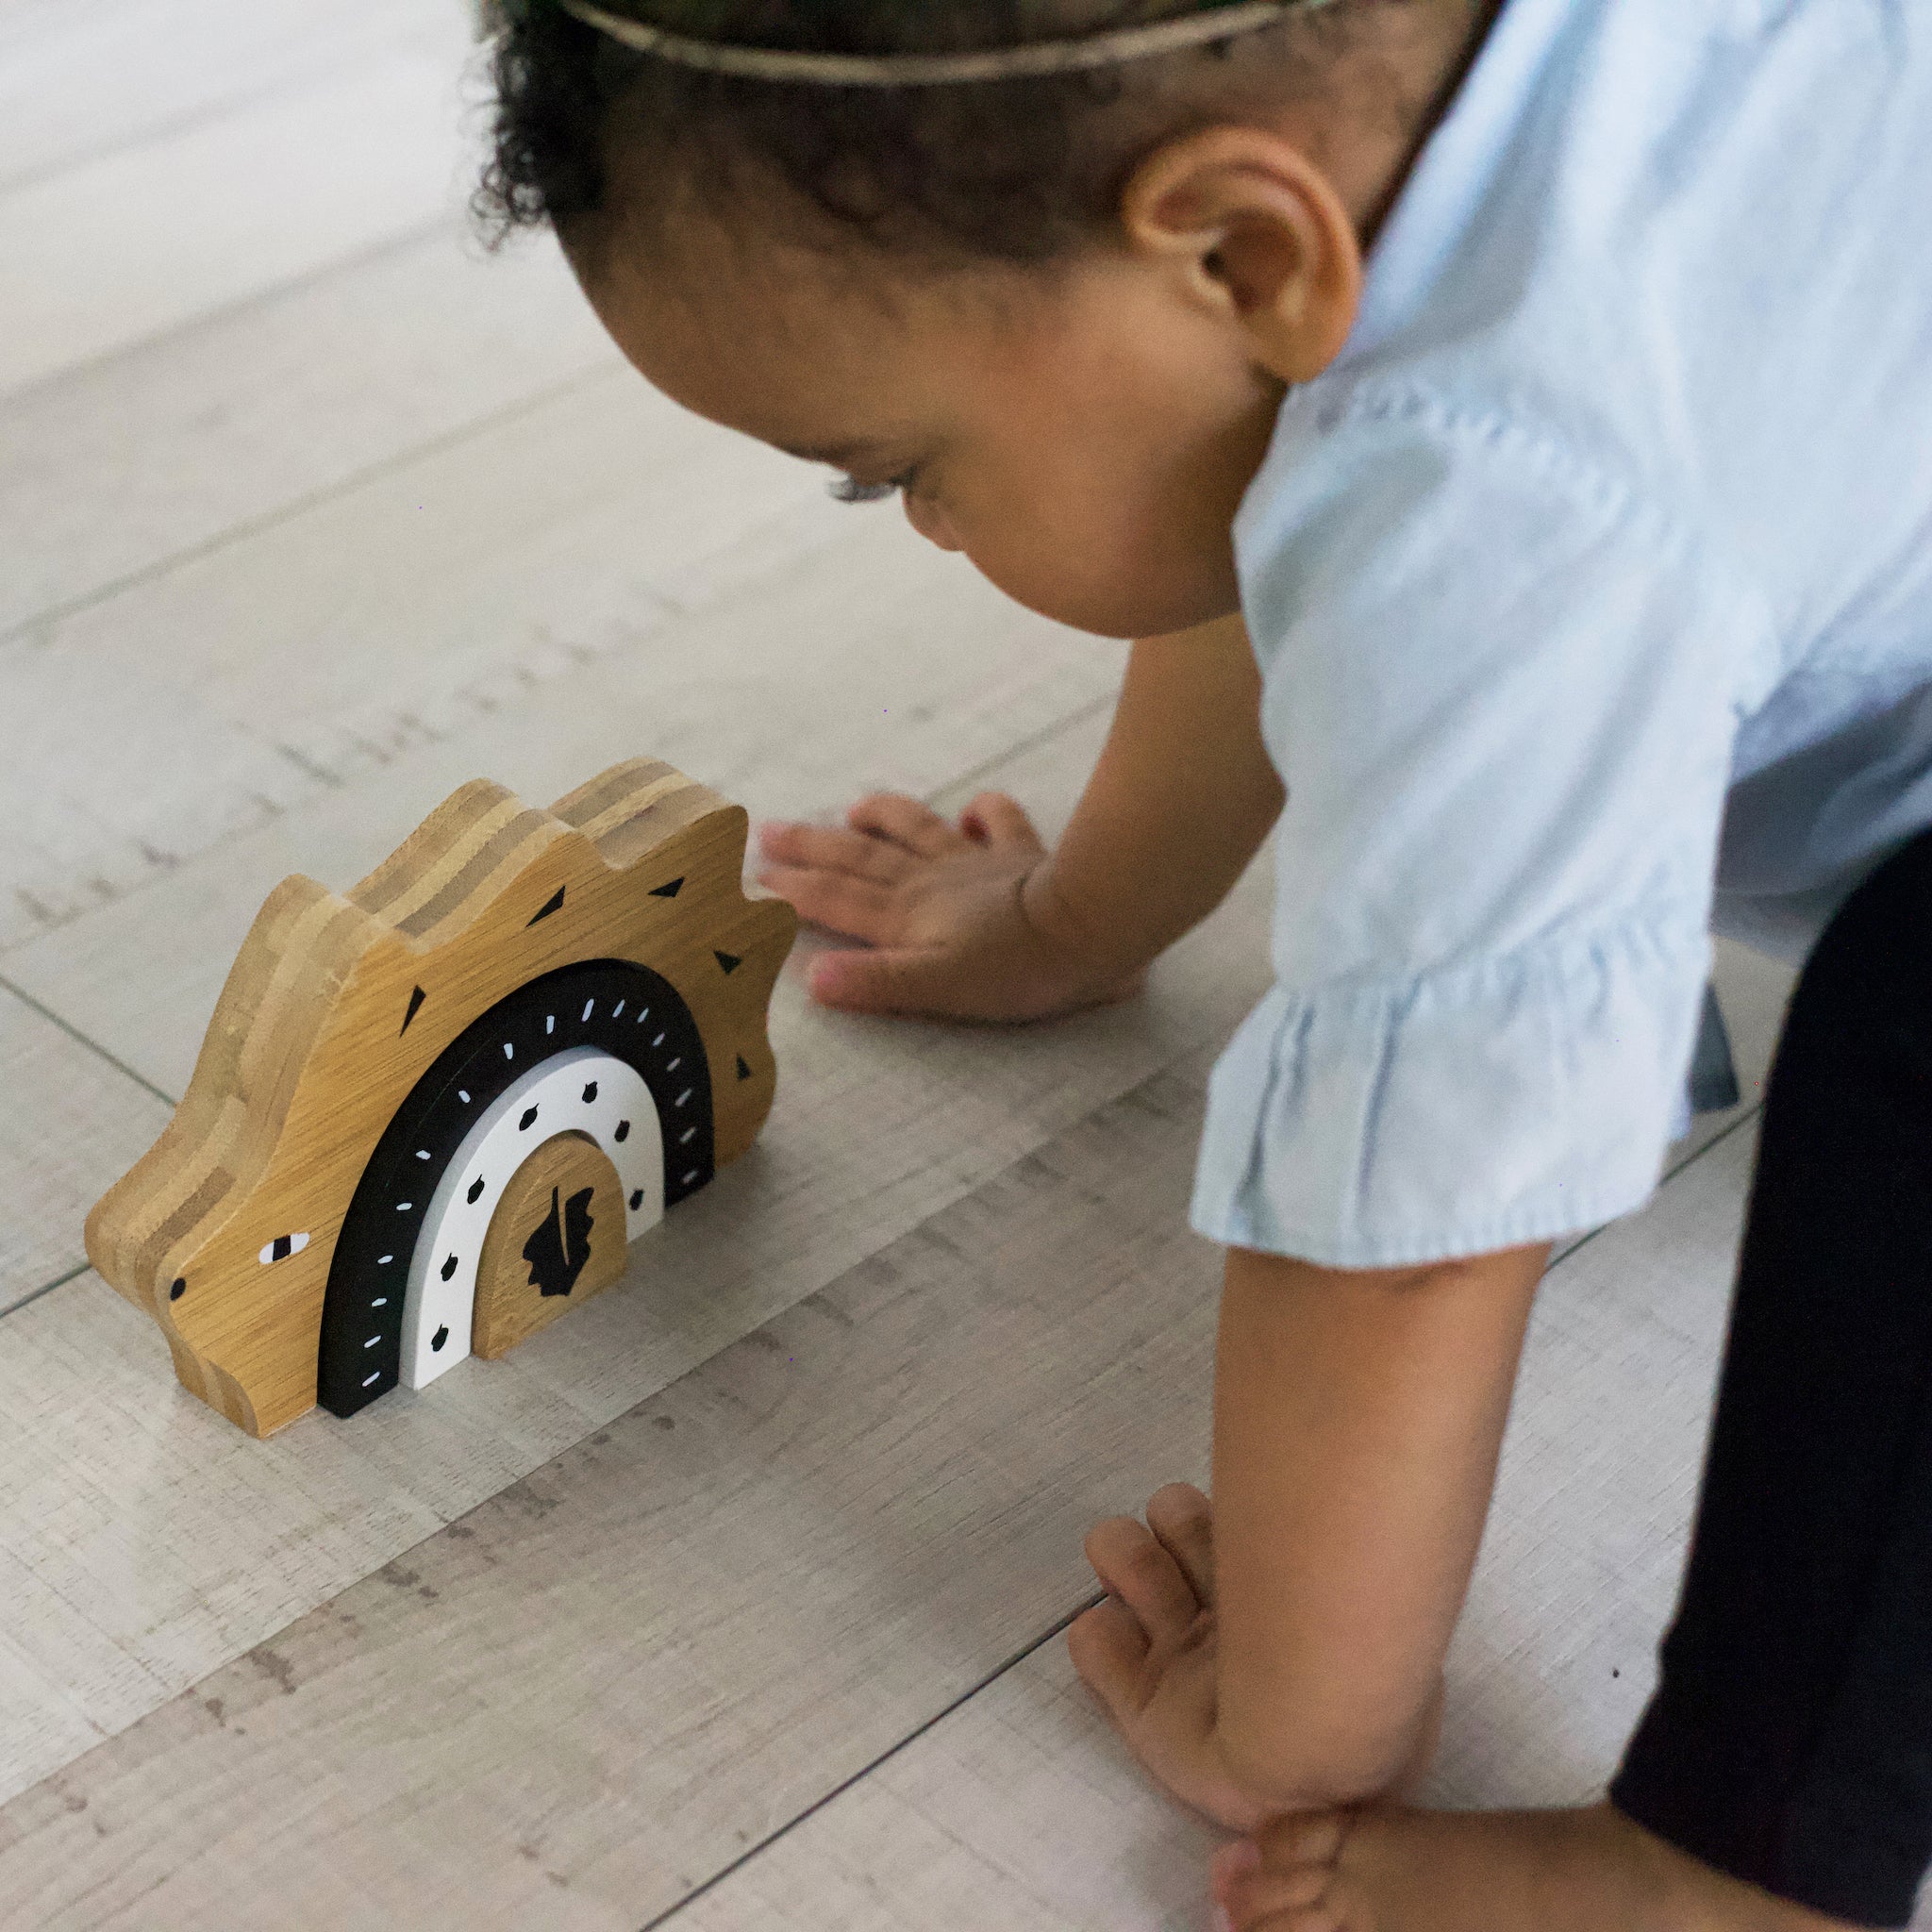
979,920
1293,1661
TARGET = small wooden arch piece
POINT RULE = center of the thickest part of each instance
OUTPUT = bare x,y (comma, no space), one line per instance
339,1006
556,1240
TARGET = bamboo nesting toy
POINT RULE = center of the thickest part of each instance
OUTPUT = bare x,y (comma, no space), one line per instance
431,1115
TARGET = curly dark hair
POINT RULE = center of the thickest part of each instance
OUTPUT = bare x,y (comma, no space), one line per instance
1018,171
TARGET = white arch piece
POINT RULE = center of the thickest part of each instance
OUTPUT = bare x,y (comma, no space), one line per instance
583,1091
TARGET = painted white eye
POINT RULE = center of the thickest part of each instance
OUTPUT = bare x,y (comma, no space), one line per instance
282,1247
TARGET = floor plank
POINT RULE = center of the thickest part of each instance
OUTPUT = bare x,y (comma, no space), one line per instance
716,692
876,1126
112,472
81,78
1019,1808
72,1124
431,598
657,1651
250,200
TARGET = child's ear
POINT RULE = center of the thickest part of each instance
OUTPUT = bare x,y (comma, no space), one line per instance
1255,231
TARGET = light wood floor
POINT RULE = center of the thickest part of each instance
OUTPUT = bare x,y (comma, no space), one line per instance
735,1600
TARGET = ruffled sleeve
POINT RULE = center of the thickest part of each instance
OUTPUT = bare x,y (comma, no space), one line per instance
1502,691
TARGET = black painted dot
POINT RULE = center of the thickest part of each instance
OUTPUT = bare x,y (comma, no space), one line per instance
179,1289
528,1121
637,1200
475,1191
729,961
437,1340
622,1130
449,1267
743,1068
590,1094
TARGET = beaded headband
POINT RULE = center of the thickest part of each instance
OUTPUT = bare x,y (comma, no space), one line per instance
1031,60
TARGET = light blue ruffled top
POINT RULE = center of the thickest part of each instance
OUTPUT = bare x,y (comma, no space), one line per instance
1595,575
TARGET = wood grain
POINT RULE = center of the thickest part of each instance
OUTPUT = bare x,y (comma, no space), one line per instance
431,599
510,1305
679,1635
279,188
716,689
874,1129
117,470
79,79
69,1123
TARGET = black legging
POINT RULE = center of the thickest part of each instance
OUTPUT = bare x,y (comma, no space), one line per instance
1789,1742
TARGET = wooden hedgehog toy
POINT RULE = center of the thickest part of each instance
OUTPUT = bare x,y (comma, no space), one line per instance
430,1116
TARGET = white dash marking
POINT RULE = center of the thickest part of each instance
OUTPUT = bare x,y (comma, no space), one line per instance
659,1041
380,1302
373,1380
675,1064
688,1134
617,1012
691,1177
371,1342
384,1260
422,1153
464,1096
509,1052
550,1023
404,1207
589,1007
684,1096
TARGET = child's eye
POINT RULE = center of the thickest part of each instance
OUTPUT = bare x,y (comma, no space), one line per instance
850,490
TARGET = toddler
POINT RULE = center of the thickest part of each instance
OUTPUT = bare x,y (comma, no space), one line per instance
1507,429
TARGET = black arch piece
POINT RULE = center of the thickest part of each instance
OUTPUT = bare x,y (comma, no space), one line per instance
360,1356
416,1000
670,891
552,904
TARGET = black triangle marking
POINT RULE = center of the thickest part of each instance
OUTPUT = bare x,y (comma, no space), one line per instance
730,962
743,1071
554,904
416,1000
670,891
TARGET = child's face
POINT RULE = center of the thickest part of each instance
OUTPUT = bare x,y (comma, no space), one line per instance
1083,433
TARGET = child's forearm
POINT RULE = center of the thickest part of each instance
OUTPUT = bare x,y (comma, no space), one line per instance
1357,1423
1179,803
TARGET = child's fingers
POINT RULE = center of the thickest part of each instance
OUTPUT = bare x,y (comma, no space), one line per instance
835,901
1110,1652
1136,1570
994,819
886,981
1183,1519
905,820
1260,1892
824,848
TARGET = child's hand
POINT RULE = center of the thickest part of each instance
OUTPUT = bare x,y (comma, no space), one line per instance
952,916
1148,1653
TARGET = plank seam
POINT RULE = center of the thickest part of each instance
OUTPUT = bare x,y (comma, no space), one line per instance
885,1757
39,1293
252,528
93,1046
224,311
